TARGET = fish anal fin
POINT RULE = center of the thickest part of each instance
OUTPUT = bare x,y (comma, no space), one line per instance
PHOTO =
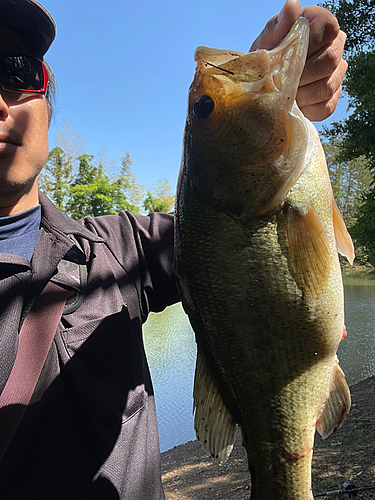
309,250
343,240
337,405
213,422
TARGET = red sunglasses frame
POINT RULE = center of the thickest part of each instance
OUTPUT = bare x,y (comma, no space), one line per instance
29,91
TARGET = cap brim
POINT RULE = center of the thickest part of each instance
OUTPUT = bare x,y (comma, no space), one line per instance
31,22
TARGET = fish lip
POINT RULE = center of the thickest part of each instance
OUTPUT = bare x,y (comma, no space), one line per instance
299,30
286,71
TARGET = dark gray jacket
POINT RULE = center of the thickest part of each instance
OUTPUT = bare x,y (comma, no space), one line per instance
90,431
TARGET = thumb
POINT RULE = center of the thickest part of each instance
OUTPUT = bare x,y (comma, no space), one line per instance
278,26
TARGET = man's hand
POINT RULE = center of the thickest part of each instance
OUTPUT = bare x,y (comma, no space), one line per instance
320,84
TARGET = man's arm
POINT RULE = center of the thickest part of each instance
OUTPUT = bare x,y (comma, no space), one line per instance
320,84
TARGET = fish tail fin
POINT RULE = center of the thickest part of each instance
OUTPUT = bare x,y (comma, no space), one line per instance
337,406
213,422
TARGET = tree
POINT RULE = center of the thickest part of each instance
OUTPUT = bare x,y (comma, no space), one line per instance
357,131
56,177
161,199
364,229
70,141
81,184
94,194
135,192
356,19
349,179
153,204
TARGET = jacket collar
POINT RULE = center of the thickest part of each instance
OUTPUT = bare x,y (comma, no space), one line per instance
57,222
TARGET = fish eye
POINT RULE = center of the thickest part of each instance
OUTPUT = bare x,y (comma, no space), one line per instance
204,107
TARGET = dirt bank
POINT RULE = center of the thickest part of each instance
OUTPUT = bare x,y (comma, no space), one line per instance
349,455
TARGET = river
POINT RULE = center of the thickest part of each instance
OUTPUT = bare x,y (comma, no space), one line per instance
171,351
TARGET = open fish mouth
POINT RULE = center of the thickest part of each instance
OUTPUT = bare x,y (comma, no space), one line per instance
278,70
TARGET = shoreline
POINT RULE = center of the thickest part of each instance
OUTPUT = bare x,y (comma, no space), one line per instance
189,473
360,272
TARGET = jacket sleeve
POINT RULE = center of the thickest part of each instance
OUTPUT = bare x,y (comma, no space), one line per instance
143,245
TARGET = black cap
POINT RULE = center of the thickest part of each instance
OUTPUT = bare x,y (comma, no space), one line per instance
31,22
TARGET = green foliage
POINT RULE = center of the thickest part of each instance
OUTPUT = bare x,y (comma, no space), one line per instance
349,179
86,185
359,127
87,173
161,199
153,204
93,193
357,131
364,229
70,141
356,19
56,177
135,192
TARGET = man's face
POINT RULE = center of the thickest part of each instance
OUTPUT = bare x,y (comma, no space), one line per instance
23,132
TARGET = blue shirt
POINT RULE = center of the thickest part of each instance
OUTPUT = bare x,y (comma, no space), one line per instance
18,233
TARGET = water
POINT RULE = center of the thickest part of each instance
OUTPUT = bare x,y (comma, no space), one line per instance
171,351
357,351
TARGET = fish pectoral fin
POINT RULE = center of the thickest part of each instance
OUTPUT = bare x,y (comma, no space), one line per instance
343,239
213,422
294,140
337,405
309,250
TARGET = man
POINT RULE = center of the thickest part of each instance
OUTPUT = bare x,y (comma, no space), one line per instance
89,430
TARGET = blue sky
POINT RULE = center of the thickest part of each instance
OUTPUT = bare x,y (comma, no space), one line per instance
123,70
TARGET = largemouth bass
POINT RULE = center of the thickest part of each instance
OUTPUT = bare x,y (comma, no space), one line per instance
257,235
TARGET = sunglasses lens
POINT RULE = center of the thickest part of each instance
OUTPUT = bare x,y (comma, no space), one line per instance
19,73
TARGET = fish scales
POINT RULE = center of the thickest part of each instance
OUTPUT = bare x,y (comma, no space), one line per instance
256,257
275,397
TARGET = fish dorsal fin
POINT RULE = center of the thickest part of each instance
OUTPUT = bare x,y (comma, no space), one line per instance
343,239
213,422
309,250
337,405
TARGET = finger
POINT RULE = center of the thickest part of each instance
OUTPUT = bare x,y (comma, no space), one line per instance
278,26
322,110
323,89
325,61
324,27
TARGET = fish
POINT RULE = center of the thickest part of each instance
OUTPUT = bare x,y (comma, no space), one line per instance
257,237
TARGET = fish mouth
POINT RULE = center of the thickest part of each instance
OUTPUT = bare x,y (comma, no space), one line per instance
282,66
262,71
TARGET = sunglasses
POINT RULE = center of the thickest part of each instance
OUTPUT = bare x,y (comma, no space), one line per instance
23,74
